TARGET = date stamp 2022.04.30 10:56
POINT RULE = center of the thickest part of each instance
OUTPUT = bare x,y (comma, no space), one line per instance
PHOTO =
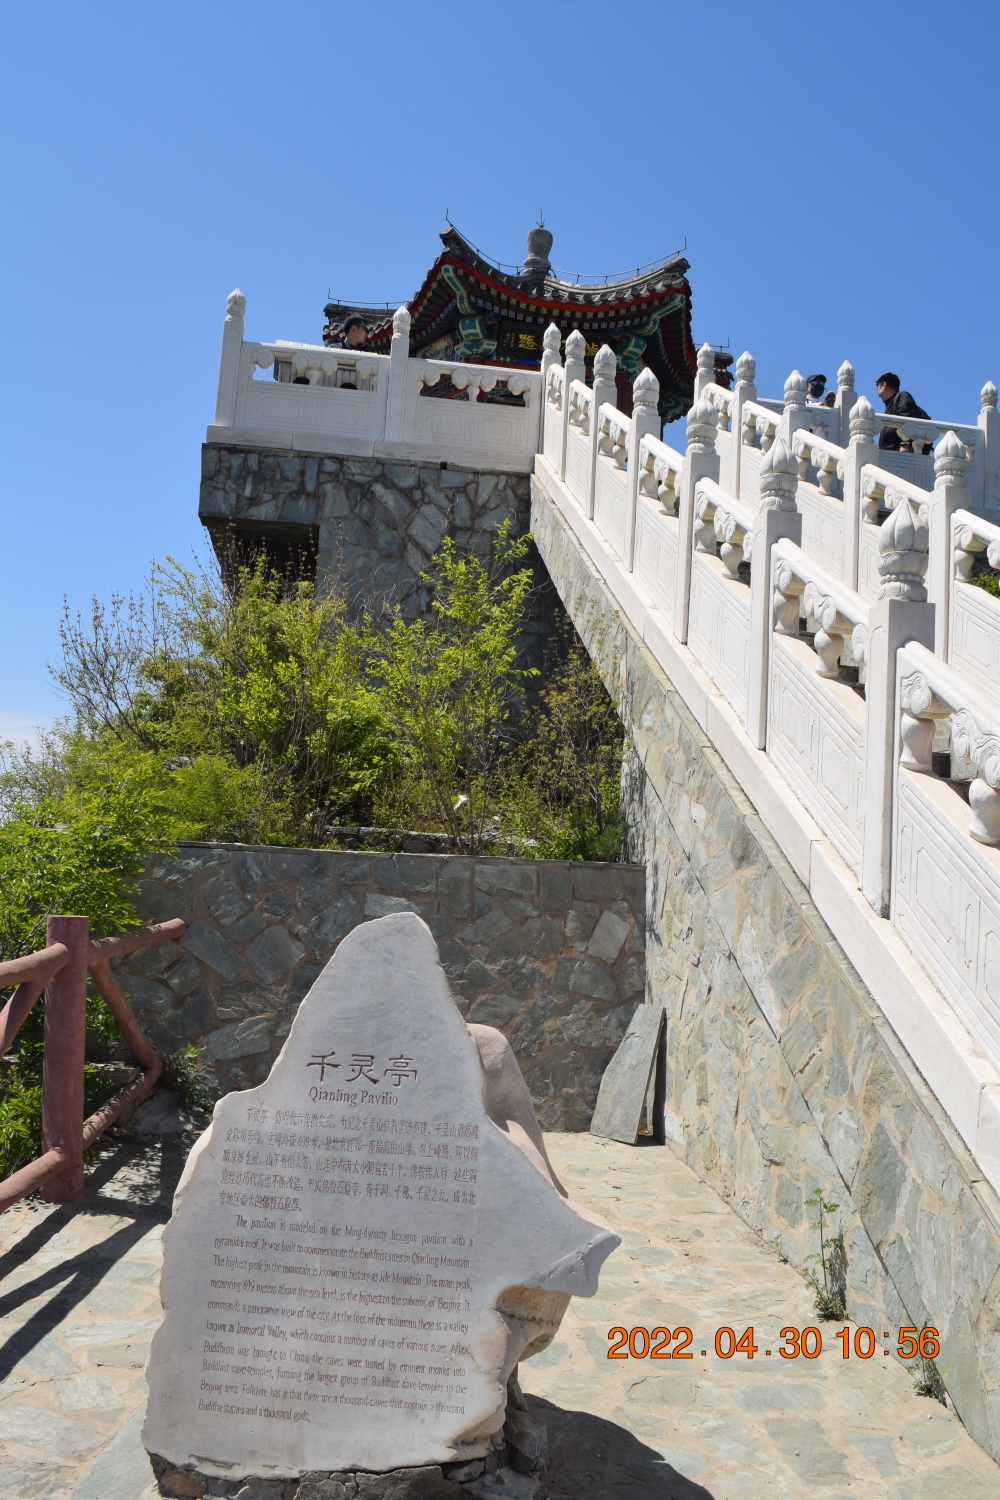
794,1343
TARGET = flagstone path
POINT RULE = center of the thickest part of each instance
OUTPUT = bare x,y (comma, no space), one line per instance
78,1303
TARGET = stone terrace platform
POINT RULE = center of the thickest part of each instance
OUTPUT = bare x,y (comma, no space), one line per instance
78,1304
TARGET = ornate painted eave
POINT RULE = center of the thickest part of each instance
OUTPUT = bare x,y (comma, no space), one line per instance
470,309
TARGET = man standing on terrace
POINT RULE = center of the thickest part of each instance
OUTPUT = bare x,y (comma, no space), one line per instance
897,404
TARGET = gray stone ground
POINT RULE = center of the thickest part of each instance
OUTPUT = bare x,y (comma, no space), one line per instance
78,1302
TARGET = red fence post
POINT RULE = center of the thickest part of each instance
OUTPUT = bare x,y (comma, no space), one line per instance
63,1055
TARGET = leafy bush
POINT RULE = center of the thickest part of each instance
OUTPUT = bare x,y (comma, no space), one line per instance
563,797
448,687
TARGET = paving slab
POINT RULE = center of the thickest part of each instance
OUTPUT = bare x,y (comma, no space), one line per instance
713,1428
71,1361
79,1300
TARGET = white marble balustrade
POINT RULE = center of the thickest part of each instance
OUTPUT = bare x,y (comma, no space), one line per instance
787,577
332,400
946,887
974,626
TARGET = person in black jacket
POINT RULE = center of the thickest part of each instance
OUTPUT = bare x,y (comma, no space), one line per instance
898,404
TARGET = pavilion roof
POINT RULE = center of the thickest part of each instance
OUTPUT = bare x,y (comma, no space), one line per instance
471,308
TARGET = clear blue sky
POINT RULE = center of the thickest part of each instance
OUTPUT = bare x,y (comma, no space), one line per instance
833,168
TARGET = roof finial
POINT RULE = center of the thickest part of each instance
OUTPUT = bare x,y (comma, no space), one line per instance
539,244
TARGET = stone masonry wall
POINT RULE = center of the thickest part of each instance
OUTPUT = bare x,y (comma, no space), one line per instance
548,951
379,523
783,1075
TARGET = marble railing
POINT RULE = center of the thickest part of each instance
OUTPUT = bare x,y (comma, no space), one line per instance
311,398
789,580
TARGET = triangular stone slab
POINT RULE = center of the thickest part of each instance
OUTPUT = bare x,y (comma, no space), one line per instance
619,1112
341,1236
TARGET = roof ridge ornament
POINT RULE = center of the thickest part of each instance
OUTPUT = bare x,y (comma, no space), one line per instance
539,241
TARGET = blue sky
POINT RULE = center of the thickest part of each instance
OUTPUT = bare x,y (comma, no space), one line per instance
833,169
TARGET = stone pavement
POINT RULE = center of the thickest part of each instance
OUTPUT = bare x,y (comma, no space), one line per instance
715,1429
78,1303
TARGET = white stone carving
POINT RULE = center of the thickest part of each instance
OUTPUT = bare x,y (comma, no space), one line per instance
605,363
903,553
746,368
552,339
863,425
401,322
795,390
503,1232
845,376
779,477
816,739
702,424
659,473
719,630
236,305
576,345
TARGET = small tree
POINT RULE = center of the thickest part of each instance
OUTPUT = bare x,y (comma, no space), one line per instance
563,796
448,686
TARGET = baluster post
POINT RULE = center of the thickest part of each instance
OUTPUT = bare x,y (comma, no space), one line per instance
900,615
645,421
706,370
701,462
229,363
989,422
576,369
778,518
861,450
64,1038
948,495
604,391
844,404
795,414
744,390
551,344
399,356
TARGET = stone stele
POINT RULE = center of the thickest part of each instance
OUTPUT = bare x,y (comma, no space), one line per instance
363,1247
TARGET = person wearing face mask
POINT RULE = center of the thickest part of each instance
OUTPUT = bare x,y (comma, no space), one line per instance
897,404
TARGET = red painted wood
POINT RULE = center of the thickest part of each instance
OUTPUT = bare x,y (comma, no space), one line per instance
63,1056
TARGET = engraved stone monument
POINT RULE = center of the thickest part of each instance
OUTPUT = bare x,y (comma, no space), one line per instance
363,1247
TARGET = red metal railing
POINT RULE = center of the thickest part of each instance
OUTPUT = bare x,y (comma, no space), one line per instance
61,969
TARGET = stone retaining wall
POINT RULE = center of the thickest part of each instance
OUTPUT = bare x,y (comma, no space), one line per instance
783,1075
378,523
549,951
